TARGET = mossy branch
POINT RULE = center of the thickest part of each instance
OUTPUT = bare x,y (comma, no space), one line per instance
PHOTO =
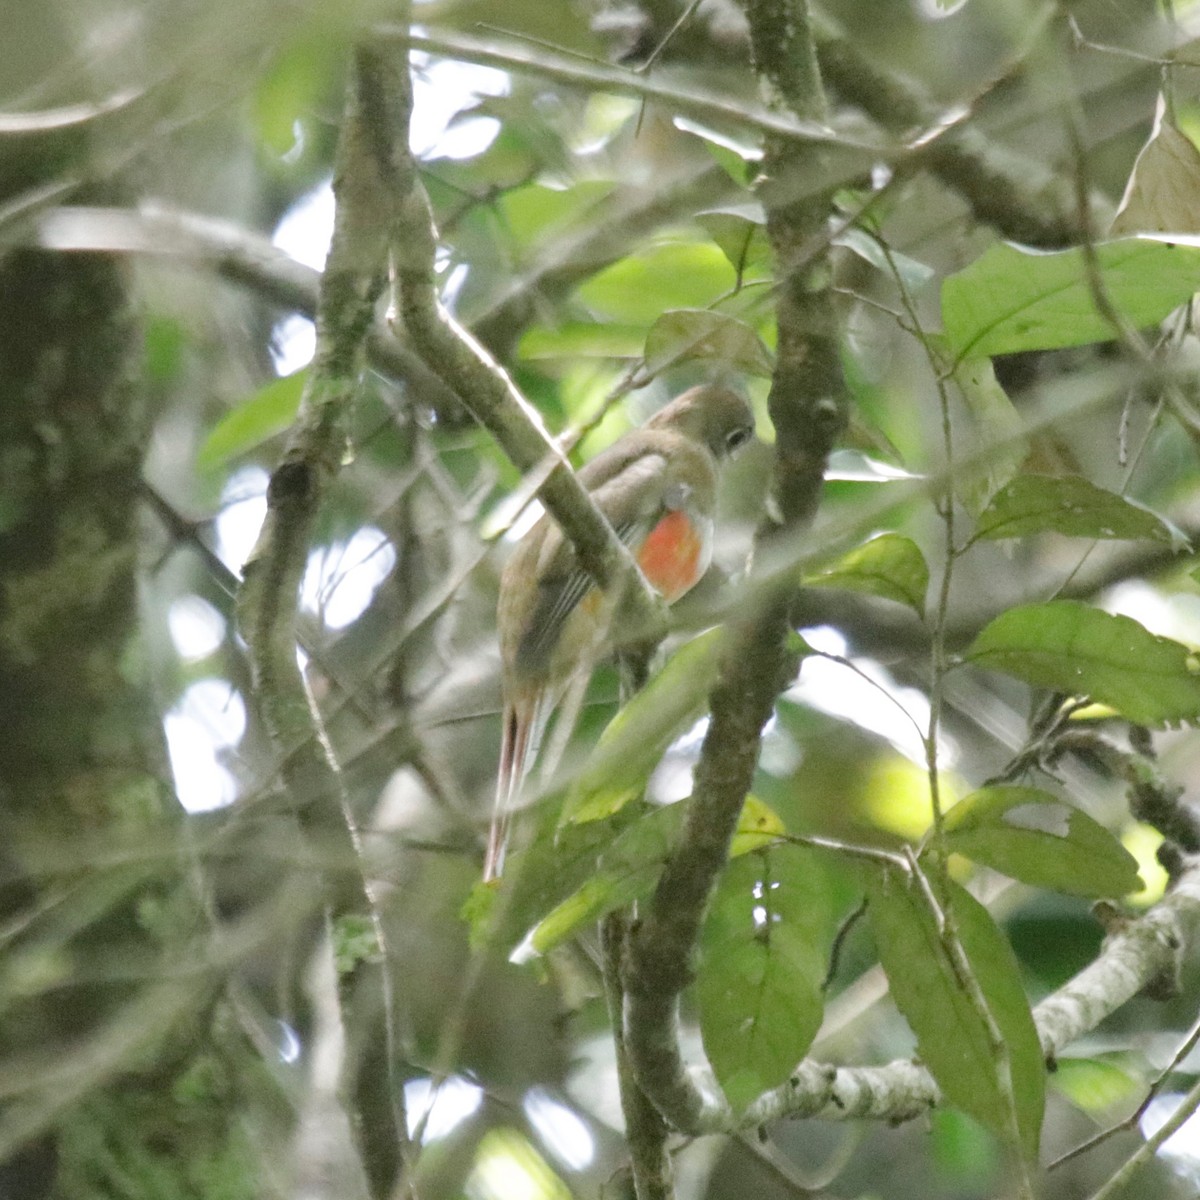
364,187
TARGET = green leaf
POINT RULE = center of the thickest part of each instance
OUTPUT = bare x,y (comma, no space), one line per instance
735,156
1070,505
165,343
798,646
962,1149
538,875
952,1037
1082,651
639,288
995,423
889,565
1013,298
355,941
1037,838
535,213
1095,1085
761,970
636,738
740,231
295,85
687,334
268,412
627,871
582,339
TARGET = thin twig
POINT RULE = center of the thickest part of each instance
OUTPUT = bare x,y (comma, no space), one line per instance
1150,1147
1131,1122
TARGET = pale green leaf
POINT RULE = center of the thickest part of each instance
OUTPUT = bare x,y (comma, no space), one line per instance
684,335
740,231
890,566
996,430
1073,648
257,419
913,274
1039,839
1095,1085
735,156
536,213
639,288
635,739
1013,298
582,339
1163,194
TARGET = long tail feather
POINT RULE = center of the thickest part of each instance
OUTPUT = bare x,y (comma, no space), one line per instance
522,728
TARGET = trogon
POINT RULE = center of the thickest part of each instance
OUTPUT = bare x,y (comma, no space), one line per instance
657,487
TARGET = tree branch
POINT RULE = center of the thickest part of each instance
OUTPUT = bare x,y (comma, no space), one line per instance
807,410
1021,199
236,254
645,1130
364,186
593,76
1135,957
494,400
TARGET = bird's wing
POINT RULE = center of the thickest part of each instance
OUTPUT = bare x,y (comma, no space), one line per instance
632,499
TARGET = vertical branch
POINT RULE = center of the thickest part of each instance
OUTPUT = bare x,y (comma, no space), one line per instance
364,183
645,1130
807,410
806,391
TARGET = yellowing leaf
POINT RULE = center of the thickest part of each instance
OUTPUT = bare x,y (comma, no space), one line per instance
758,826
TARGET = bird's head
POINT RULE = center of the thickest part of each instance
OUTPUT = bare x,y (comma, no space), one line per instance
714,416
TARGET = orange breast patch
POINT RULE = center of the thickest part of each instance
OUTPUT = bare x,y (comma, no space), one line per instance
670,555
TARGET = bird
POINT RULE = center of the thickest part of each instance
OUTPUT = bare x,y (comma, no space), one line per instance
657,487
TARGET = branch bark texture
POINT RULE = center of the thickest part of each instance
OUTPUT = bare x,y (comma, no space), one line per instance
364,187
88,823
807,411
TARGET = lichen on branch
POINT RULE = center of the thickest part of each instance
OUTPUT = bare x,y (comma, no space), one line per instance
364,188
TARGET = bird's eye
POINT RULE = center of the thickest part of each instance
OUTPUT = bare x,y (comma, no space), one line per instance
737,437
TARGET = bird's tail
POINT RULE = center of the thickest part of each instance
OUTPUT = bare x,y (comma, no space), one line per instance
522,730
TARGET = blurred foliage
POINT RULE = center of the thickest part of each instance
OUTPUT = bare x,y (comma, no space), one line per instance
589,239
